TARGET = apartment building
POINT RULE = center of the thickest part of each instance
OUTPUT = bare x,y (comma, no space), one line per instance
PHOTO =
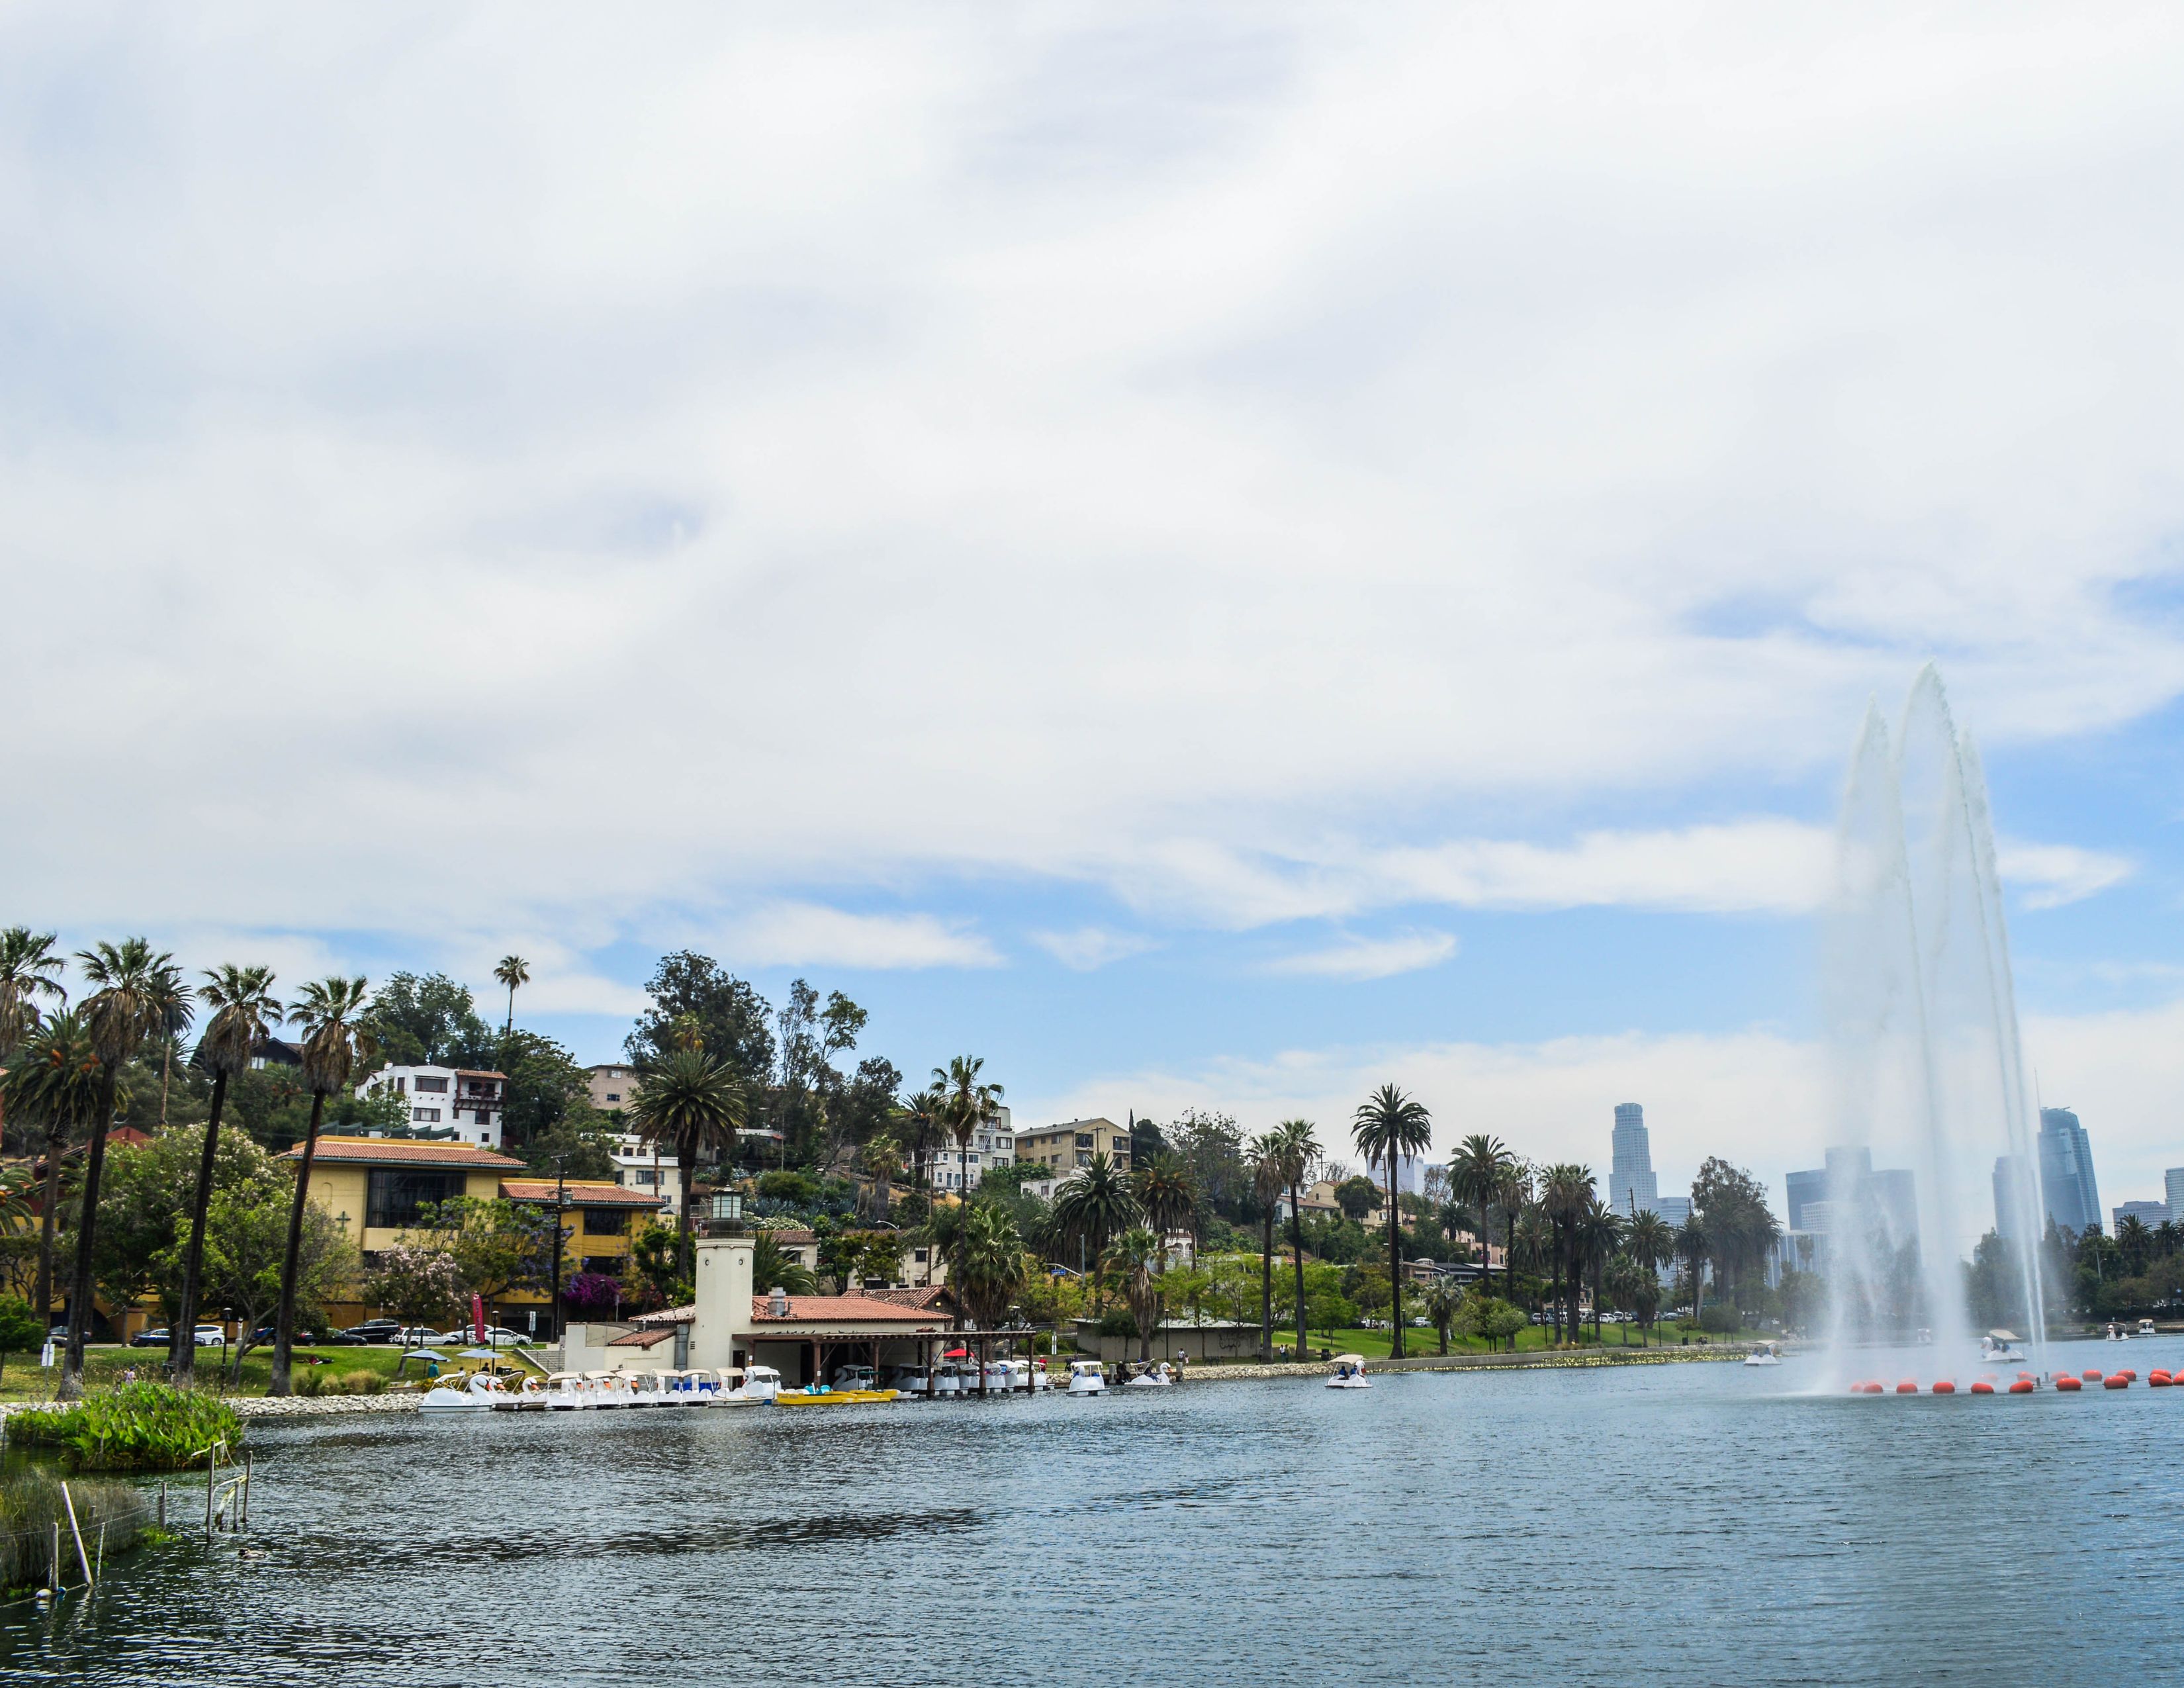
612,1086
1065,1150
456,1104
992,1144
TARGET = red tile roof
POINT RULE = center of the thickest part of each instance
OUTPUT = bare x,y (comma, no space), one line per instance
578,1193
812,1309
795,1238
643,1338
397,1151
926,1297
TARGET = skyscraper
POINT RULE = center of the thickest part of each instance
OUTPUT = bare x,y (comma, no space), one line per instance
1827,1198
2174,1178
2066,1172
1631,1187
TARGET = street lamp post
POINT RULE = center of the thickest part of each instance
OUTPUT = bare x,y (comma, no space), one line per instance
561,1197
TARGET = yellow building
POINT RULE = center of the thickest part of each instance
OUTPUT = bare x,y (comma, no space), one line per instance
1064,1148
375,1189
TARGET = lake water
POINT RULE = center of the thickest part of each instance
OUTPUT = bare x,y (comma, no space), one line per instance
1695,1522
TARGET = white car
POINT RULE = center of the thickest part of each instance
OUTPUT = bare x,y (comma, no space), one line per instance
496,1336
418,1336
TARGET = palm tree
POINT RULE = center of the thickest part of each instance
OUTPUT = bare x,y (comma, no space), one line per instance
28,969
1564,1191
1599,1236
1167,1194
693,1103
55,1080
514,972
1264,1161
173,1006
922,1115
966,1104
884,1160
1477,1172
776,1268
1532,1240
330,1013
1136,1258
1387,1126
1694,1248
243,1014
119,1014
1299,1151
986,1266
1515,1191
1093,1206
1442,1300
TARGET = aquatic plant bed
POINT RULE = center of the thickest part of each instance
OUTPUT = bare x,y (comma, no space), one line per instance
136,1427
111,1514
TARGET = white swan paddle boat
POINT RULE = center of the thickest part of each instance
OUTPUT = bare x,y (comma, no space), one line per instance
1086,1376
1159,1376
1999,1348
1766,1354
1348,1373
481,1392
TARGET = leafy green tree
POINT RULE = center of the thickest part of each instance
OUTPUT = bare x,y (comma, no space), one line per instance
1356,1196
1266,1164
881,1260
1388,1126
546,1088
729,1016
119,1015
1442,1299
246,1247
1693,1248
417,1283
883,1159
499,1247
330,1012
428,1022
1167,1194
1731,1205
1478,1174
657,1253
244,1011
986,1266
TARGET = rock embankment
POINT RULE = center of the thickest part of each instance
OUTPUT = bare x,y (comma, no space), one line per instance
1477,1362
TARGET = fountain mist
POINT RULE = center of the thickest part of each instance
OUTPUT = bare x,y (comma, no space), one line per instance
1926,1068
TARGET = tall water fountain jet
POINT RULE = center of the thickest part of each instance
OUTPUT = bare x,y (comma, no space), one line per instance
1926,1065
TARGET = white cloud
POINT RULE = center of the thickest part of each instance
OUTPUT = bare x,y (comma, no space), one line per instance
2050,875
801,934
1088,948
1107,447
1370,958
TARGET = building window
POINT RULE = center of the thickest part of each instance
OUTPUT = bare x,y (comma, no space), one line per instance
1084,1139
438,1087
606,1265
482,1117
919,1256
606,1222
394,1194
1083,1157
425,1115
613,1095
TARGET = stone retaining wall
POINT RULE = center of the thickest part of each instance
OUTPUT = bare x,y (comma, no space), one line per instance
1582,1359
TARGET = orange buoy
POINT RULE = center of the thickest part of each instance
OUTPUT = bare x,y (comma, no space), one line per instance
1873,1389
1983,1387
2065,1381
2117,1381
2158,1379
2129,1374
2022,1386
1909,1386
1943,1386
2092,1377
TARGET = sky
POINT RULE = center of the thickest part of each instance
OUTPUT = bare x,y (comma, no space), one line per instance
1212,557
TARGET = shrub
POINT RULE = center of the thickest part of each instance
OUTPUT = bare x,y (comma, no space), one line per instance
30,1504
136,1427
1718,1319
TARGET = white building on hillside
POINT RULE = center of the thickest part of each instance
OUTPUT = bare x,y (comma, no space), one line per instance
639,1167
991,1146
466,1105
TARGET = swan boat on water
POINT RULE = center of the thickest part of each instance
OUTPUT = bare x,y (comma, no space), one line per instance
1766,1354
1160,1376
1348,1371
1999,1347
1087,1377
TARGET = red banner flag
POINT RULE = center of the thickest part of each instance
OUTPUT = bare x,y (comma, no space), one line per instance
477,1316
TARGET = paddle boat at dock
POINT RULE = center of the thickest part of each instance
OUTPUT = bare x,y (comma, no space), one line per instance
1086,1378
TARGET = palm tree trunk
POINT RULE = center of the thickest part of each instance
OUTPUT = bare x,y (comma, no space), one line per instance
48,1222
80,1295
1297,1254
686,1250
284,1325
1509,1256
182,1348
1267,1290
166,1072
1394,1259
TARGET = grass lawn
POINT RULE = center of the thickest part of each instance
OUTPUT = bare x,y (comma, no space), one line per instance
22,1379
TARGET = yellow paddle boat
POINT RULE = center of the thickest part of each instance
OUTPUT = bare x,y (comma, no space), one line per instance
833,1397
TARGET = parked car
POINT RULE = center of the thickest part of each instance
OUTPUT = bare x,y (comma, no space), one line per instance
419,1336
375,1330
342,1339
496,1336
208,1336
